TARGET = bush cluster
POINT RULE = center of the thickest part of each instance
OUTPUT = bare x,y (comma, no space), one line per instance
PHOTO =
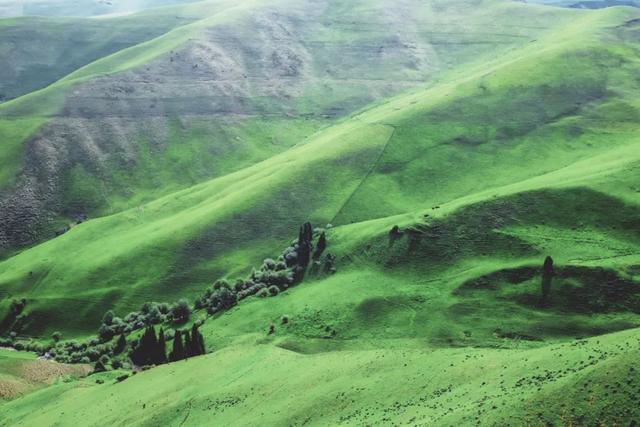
151,313
273,277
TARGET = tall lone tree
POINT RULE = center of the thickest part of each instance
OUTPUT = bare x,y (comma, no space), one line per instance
305,246
320,246
547,277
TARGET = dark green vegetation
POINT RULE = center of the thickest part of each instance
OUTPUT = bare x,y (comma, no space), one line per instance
450,145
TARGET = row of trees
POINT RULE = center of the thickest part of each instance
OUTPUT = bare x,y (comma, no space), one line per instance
151,349
274,276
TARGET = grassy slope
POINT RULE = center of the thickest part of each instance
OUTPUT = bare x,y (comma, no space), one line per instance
580,383
399,312
328,86
77,56
177,244
38,51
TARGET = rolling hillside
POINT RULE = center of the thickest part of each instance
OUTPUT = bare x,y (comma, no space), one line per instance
491,133
578,384
188,239
93,144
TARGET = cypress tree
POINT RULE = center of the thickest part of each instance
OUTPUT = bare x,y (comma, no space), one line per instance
305,246
197,341
150,347
177,353
121,344
547,276
161,352
320,246
188,345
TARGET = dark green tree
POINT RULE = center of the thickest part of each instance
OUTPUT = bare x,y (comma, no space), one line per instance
99,367
161,349
197,341
107,319
121,344
147,350
177,352
188,345
181,311
305,245
320,246
547,277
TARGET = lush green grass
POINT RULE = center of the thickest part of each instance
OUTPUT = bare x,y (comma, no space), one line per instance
326,87
177,244
528,151
581,383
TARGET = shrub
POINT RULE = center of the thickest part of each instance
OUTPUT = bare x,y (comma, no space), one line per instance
122,378
105,332
56,336
164,308
116,364
274,290
285,319
240,285
268,264
263,293
107,319
221,284
99,367
154,316
180,311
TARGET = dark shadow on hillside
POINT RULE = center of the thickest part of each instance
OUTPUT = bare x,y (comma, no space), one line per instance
473,230
580,290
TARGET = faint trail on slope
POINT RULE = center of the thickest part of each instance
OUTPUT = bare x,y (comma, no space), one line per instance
188,405
366,175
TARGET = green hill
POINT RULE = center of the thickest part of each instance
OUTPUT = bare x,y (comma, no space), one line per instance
188,239
492,134
141,123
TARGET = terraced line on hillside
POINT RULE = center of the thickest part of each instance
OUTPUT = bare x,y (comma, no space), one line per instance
369,172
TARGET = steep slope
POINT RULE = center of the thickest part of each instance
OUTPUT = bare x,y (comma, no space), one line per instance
176,245
35,52
246,81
